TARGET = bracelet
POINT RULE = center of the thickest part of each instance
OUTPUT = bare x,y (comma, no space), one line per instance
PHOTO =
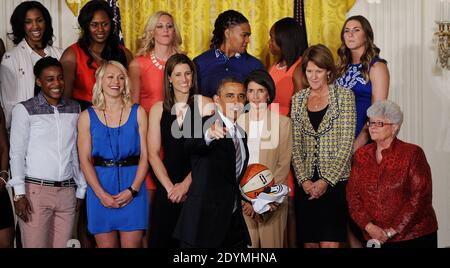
5,171
134,193
3,180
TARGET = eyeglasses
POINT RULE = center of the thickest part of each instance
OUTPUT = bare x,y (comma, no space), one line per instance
378,123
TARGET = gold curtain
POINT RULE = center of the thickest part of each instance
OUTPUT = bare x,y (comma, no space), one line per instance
195,19
324,20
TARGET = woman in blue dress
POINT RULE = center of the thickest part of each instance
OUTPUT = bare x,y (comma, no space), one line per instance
362,70
113,157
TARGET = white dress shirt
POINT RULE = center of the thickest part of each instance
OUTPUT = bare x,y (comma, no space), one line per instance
16,75
231,129
43,143
254,140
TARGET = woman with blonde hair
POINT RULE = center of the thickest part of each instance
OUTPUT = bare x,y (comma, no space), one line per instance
113,156
160,40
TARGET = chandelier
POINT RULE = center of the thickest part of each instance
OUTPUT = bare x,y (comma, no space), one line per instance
443,34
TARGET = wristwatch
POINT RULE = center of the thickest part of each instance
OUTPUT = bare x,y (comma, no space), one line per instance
134,193
18,197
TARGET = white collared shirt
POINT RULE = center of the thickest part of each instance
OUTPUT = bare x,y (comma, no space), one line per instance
43,143
16,75
231,130
254,140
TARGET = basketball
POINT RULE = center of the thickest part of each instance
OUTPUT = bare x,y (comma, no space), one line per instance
257,177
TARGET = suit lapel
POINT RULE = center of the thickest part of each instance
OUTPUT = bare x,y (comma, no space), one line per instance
331,113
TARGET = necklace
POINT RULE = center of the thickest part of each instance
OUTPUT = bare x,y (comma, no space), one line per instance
98,57
115,158
155,61
40,52
180,110
279,67
319,102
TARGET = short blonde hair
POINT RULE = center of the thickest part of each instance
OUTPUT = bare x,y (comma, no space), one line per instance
98,99
147,41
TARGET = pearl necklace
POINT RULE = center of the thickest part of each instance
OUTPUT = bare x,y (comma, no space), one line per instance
155,61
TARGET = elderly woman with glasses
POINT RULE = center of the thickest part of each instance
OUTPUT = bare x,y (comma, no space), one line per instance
389,192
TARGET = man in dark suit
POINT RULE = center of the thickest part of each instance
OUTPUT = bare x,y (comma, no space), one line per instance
212,215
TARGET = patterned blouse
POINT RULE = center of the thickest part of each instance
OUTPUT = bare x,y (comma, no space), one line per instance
330,147
353,79
396,193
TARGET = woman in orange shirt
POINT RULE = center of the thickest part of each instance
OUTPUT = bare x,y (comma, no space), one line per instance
160,40
97,44
287,43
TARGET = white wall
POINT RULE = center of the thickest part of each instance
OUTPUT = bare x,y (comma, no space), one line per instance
404,31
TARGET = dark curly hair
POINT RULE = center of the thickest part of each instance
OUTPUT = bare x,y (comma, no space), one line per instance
112,50
18,23
225,20
40,66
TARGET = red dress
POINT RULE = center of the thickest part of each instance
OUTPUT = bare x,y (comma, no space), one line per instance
284,90
284,86
397,193
85,76
151,91
152,82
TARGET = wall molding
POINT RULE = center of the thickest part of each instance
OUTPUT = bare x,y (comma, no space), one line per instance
398,34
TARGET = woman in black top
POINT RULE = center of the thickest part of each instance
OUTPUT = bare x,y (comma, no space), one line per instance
168,121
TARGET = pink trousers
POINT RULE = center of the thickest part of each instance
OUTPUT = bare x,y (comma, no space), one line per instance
52,217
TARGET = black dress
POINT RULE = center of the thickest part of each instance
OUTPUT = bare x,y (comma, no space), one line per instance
164,213
323,219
